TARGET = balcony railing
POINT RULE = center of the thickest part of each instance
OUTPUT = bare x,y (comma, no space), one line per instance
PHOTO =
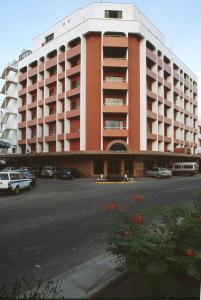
115,128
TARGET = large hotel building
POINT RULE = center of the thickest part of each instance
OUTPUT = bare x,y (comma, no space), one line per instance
101,91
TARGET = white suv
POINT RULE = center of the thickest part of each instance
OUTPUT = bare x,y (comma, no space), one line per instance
158,173
14,182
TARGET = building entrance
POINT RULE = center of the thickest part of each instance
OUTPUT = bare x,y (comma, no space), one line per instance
114,167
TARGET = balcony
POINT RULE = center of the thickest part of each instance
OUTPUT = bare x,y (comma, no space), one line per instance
160,118
176,107
160,62
40,120
61,116
176,75
176,90
151,94
32,105
61,75
73,71
167,103
160,99
51,79
61,96
176,141
160,79
115,132
22,124
41,83
32,71
61,137
32,140
151,74
151,136
50,99
176,124
195,89
61,57
51,62
32,87
23,77
186,82
115,41
115,84
167,84
167,68
151,115
22,92
160,138
41,67
22,142
22,108
167,139
73,135
73,92
115,109
151,55
50,118
41,102
50,138
72,52
167,121
32,123
73,113
115,62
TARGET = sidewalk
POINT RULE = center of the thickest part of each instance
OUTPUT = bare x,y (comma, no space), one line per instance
88,278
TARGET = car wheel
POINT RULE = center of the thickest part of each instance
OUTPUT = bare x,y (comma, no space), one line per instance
17,190
30,187
158,176
55,176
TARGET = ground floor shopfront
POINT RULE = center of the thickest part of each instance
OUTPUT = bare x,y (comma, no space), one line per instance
97,163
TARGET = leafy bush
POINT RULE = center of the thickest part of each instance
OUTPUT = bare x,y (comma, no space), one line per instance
159,247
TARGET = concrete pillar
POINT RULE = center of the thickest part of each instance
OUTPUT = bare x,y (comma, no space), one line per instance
138,168
105,167
122,167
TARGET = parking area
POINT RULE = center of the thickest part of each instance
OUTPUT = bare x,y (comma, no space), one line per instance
62,223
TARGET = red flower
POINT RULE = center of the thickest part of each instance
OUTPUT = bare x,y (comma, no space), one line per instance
113,207
125,233
189,252
138,198
137,219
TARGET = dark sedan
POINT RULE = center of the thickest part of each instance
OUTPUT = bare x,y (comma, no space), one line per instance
29,174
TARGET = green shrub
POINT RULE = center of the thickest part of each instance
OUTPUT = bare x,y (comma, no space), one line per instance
159,247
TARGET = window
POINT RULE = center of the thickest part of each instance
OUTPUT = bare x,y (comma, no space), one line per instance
52,91
113,14
114,124
75,83
23,133
52,109
149,127
23,116
49,37
98,167
114,101
34,97
52,129
23,101
33,132
33,114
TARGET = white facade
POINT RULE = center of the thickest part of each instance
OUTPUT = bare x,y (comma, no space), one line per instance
9,107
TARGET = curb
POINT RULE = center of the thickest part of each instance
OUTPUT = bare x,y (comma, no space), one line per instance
117,182
88,278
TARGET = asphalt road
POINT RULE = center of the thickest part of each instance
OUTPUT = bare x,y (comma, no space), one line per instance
60,224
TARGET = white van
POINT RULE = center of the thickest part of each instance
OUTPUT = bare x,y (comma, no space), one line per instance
185,168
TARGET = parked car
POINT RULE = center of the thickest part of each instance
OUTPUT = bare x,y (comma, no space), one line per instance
14,182
65,173
75,172
185,168
50,171
27,172
158,173
8,169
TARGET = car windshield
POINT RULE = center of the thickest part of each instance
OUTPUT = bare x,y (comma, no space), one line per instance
163,169
4,176
47,168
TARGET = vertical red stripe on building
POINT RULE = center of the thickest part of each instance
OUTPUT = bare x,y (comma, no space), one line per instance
134,91
93,91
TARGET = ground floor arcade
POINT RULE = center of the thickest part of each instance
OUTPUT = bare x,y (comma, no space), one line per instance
96,163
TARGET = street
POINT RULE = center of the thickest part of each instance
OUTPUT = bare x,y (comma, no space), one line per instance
60,224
